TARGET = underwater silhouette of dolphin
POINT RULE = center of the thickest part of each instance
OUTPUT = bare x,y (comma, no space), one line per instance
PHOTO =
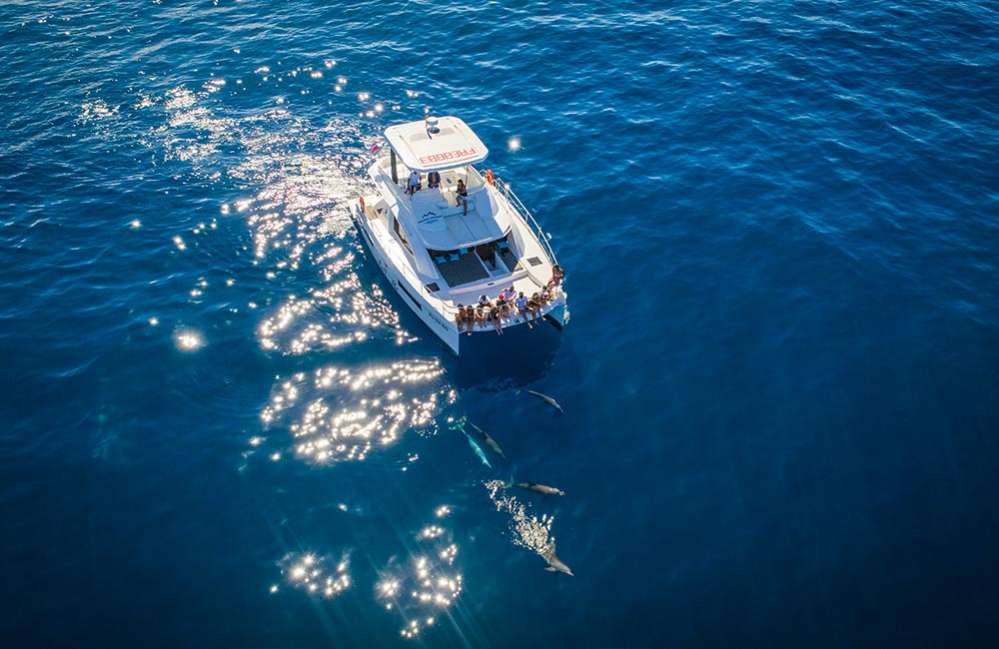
554,563
541,488
490,442
478,449
544,397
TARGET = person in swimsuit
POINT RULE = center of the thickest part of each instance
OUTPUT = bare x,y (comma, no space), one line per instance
557,275
461,195
480,317
494,317
534,305
521,304
461,318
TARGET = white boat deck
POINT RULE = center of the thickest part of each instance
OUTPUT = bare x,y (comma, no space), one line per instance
443,224
439,256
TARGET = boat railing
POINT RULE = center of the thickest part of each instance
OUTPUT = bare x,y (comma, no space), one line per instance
532,223
528,217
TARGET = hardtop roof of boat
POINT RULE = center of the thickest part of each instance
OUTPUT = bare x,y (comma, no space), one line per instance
425,148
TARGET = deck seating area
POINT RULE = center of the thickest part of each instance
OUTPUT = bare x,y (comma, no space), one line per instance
466,265
459,267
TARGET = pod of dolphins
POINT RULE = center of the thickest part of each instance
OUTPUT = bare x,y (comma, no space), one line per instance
554,563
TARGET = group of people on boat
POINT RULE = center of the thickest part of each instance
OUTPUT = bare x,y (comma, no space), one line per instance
509,304
414,184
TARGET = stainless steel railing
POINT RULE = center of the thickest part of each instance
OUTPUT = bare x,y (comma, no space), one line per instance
525,213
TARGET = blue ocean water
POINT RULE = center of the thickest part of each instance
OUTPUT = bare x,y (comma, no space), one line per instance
780,382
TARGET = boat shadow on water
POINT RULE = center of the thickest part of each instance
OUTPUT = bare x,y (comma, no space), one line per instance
519,357
488,361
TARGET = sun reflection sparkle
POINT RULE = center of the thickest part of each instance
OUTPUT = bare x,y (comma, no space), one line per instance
339,414
427,584
318,576
188,340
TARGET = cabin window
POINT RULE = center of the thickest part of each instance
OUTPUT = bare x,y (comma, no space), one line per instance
401,233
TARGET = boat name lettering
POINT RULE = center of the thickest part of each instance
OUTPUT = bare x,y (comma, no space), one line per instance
457,154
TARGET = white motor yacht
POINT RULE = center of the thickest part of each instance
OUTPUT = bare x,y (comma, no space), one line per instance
441,249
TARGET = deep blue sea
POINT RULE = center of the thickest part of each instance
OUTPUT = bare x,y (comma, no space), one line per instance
222,428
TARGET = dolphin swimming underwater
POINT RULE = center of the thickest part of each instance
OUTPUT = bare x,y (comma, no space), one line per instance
554,563
541,488
551,402
490,442
478,449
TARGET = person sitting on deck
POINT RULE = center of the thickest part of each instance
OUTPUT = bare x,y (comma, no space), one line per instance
480,318
494,317
433,180
461,318
461,195
484,301
413,184
521,304
506,309
557,275
508,294
534,305
503,305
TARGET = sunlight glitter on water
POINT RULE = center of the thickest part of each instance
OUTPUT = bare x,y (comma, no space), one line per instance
317,576
348,413
188,340
425,586
295,205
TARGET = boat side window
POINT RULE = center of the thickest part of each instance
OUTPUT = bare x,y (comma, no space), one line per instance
401,233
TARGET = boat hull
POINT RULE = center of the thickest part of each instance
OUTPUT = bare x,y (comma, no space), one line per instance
447,330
